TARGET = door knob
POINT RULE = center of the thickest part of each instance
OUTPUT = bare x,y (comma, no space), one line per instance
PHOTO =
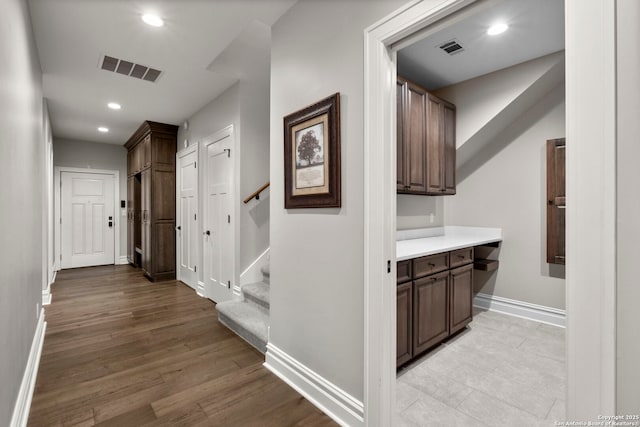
178,228
208,233
110,224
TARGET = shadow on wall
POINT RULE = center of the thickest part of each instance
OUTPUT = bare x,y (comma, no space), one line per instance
259,212
509,134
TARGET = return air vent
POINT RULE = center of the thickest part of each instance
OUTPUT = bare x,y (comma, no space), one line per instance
128,68
452,47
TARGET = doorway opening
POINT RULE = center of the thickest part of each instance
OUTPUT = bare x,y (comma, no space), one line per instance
384,47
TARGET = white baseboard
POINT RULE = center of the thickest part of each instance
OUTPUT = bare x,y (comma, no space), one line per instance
538,313
252,274
123,260
46,295
329,398
200,289
25,394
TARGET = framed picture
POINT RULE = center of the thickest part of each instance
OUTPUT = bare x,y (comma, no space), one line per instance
312,156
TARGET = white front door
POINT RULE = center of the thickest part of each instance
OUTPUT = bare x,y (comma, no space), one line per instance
187,223
88,219
218,228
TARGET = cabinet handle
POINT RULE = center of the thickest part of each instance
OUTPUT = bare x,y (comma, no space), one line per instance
431,265
460,256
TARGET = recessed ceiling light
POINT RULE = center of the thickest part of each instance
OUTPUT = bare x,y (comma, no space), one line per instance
103,129
498,28
153,20
114,105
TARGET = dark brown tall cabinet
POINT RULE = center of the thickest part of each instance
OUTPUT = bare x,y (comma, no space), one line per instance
151,184
556,199
426,141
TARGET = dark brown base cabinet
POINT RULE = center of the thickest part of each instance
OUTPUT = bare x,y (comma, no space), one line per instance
434,301
151,195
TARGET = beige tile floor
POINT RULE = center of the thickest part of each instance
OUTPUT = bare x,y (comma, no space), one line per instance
501,371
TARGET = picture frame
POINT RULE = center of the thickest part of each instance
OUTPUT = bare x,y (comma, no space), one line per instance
312,177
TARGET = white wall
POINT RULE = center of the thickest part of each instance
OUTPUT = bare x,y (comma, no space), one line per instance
507,189
21,194
419,211
94,155
628,207
317,255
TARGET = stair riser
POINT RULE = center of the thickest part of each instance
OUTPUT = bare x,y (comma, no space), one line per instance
257,302
257,342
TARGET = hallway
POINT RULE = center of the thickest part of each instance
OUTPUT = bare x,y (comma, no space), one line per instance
120,350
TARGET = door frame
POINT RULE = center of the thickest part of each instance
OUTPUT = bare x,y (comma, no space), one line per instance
198,244
57,183
591,175
228,131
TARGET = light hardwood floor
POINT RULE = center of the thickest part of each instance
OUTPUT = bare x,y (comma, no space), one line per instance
122,351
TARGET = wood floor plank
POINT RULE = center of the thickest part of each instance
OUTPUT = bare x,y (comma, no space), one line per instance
120,350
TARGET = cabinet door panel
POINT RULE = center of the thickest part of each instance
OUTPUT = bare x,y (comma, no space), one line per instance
145,147
434,146
404,325
461,297
401,157
415,139
164,201
430,311
403,271
449,135
556,198
146,220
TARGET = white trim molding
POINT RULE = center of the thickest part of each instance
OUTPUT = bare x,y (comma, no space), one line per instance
25,394
123,260
253,273
381,41
200,289
329,398
525,310
46,295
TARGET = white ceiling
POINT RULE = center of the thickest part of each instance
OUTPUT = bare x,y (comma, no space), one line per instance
71,36
536,28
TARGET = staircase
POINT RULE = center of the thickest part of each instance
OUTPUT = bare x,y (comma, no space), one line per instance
249,318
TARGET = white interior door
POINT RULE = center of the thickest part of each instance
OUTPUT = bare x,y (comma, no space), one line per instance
88,219
219,244
187,222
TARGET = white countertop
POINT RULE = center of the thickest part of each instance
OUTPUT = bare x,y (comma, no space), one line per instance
428,241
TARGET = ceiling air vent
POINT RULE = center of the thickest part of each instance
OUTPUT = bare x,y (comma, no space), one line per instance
128,68
452,47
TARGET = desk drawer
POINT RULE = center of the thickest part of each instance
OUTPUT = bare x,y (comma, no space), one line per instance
461,257
430,264
403,269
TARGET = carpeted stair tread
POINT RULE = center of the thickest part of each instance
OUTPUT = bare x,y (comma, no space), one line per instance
257,293
246,320
266,273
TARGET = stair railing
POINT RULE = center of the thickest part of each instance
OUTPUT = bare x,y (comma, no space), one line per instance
256,194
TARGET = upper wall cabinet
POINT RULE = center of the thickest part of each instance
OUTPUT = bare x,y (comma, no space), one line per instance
426,142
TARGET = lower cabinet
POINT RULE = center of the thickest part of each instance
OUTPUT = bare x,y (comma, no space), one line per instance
430,311
434,301
404,322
